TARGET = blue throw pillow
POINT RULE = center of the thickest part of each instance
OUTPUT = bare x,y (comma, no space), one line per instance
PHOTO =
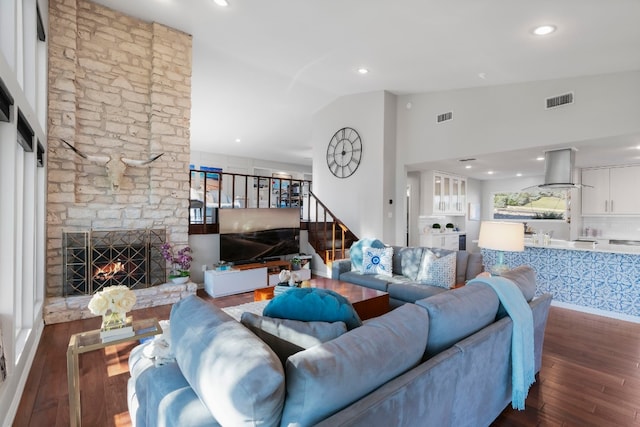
313,305
355,251
377,261
438,270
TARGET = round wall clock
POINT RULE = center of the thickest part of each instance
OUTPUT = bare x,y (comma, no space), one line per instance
344,152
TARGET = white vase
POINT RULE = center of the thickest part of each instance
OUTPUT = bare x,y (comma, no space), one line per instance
180,280
113,320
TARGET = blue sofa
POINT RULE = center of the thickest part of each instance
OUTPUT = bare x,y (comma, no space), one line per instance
402,286
445,360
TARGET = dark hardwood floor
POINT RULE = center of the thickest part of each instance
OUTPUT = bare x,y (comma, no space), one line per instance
590,375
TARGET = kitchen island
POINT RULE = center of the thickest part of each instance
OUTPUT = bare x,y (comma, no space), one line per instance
602,278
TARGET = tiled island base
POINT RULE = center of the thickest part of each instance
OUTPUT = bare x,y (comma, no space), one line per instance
596,281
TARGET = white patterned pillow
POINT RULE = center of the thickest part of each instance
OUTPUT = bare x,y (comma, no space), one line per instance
438,271
377,261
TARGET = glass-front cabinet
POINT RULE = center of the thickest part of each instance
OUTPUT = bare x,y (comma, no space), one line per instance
443,194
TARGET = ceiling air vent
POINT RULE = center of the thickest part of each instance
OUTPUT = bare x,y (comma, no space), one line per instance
557,101
444,117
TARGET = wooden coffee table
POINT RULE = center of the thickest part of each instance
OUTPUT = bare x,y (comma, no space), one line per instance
367,302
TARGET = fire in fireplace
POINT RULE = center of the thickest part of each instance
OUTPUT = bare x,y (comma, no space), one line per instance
109,271
98,258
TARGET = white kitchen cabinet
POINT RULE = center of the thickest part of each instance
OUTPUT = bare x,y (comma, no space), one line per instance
440,240
612,192
443,194
623,188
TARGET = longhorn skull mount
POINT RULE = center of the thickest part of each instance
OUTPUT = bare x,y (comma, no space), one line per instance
115,167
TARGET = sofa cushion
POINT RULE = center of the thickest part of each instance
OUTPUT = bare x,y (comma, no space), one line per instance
328,377
456,314
355,251
461,266
138,362
406,261
313,304
377,261
377,282
411,292
525,279
166,398
208,344
287,337
474,265
438,270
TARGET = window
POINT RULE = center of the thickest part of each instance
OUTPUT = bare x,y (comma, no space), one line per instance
528,205
40,159
5,103
25,133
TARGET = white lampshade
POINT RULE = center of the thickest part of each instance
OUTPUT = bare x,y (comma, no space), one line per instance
502,236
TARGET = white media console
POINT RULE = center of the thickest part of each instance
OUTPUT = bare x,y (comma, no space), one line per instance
248,277
229,282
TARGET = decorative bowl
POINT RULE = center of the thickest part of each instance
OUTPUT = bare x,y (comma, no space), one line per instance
180,280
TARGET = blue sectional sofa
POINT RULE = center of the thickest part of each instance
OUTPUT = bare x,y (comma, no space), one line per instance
402,285
445,360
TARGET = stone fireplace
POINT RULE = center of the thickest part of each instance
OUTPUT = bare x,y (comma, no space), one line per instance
95,259
119,87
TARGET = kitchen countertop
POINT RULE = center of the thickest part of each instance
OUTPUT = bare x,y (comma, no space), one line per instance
586,246
442,233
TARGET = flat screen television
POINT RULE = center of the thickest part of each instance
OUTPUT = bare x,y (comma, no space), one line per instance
257,234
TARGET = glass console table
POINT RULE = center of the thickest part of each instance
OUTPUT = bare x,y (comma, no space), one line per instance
90,341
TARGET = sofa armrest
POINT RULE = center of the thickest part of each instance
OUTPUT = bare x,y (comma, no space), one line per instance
340,266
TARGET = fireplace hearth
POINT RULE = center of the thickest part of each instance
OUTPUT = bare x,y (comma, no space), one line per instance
96,259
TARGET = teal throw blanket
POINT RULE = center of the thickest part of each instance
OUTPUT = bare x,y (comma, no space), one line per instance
522,348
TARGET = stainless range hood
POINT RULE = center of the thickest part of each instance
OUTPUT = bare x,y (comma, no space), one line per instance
558,169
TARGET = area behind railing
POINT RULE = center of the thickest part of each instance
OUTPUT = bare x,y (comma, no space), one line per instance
213,190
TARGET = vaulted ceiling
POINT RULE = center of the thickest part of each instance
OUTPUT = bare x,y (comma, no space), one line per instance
262,68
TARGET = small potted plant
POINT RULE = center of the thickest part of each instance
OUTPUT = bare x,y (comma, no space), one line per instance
295,263
180,262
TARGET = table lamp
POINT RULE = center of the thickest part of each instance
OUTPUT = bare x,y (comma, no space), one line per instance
501,237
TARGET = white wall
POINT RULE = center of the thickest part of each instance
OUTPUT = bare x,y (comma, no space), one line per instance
361,200
474,196
413,185
390,202
505,118
23,62
500,118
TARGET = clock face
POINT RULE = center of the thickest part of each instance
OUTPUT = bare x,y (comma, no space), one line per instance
344,152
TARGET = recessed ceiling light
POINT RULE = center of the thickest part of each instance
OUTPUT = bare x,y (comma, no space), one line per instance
490,172
363,70
221,3
541,158
543,30
518,174
468,167
238,140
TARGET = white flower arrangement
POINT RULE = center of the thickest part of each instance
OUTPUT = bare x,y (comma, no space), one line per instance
118,299
289,277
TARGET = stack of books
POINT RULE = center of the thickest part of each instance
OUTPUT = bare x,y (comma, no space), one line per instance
117,333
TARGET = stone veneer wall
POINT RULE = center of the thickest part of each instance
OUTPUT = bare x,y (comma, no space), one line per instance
118,87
